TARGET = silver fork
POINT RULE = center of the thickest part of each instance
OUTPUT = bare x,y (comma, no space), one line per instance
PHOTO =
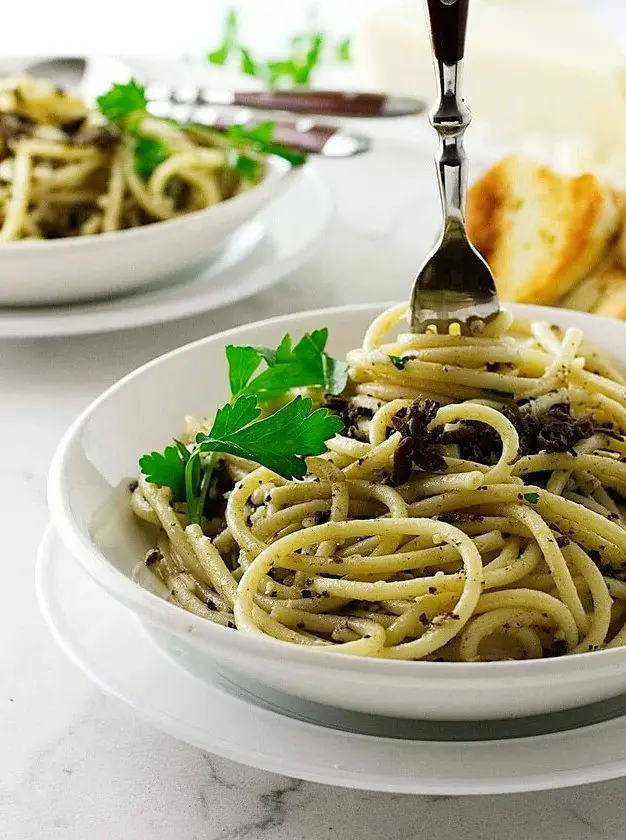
455,285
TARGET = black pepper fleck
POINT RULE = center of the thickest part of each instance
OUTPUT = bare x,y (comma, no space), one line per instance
153,556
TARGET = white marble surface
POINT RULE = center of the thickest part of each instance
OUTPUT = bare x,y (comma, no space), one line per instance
76,765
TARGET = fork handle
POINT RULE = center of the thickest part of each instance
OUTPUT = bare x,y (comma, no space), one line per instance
450,116
448,24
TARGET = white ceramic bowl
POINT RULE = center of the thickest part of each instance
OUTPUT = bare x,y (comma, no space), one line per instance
108,264
142,412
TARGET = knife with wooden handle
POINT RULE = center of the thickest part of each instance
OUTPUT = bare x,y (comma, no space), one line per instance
329,103
304,134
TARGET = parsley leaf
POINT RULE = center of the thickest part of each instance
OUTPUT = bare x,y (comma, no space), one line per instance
248,64
187,474
233,417
247,168
335,374
125,105
305,365
261,133
122,100
302,68
343,51
279,442
221,55
532,498
167,469
398,362
242,362
258,138
306,51
148,154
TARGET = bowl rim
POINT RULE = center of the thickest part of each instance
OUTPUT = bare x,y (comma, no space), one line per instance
149,605
277,170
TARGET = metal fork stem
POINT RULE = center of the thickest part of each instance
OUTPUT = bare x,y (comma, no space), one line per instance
454,286
450,117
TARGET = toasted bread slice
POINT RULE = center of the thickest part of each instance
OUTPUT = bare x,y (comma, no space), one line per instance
603,292
620,247
587,294
540,231
612,304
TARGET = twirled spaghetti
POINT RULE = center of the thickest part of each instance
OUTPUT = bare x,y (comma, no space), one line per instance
471,510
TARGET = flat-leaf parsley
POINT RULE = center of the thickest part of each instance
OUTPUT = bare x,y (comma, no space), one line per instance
305,365
280,442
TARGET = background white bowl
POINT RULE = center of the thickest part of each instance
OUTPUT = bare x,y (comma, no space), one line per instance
89,505
108,264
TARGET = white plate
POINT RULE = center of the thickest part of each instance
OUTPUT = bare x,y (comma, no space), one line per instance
312,742
259,255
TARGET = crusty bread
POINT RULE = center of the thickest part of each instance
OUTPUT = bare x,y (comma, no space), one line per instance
612,304
587,295
540,231
602,292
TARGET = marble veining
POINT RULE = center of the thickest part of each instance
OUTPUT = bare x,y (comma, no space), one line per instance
77,765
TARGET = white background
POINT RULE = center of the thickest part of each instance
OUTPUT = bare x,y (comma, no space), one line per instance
177,27
163,27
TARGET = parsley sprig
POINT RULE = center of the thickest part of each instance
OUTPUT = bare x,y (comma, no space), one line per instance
306,51
260,138
280,441
125,105
122,101
304,365
167,468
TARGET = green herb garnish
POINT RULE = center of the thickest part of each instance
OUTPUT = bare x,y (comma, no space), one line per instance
247,168
343,51
248,64
306,51
305,55
122,101
259,139
167,468
280,442
532,498
125,105
229,41
305,365
148,154
398,362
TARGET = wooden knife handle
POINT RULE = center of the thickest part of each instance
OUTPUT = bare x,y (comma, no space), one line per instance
448,25
328,102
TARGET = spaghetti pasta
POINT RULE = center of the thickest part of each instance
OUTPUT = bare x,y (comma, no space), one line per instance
485,525
65,171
